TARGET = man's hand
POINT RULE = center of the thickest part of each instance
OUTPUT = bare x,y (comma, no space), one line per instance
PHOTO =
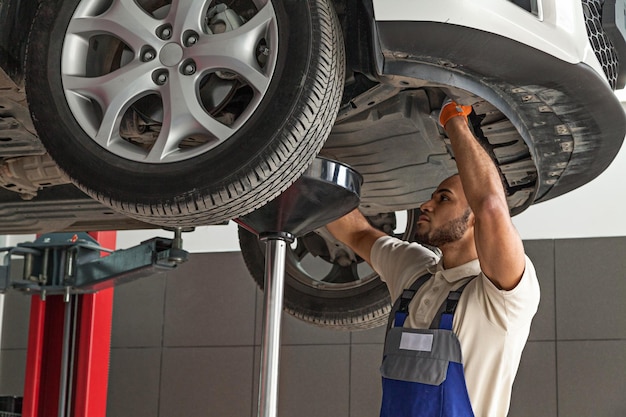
450,109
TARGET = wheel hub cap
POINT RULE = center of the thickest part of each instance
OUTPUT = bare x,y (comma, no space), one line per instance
171,54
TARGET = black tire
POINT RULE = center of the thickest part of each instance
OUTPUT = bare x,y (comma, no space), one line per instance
275,134
349,297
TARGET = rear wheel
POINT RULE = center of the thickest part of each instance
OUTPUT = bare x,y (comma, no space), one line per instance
326,284
183,113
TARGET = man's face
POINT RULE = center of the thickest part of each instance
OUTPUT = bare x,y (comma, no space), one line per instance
446,216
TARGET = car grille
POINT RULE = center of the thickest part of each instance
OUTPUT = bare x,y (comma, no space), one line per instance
602,45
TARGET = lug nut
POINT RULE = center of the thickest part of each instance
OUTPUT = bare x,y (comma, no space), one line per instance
164,32
191,40
189,68
148,55
159,77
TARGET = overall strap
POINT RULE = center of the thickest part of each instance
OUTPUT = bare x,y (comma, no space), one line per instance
445,315
400,310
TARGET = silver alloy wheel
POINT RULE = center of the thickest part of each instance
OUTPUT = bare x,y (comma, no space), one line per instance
129,135
158,84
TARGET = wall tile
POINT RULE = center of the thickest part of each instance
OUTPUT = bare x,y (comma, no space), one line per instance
365,380
534,390
134,382
12,372
138,313
210,301
375,335
16,318
313,381
541,253
207,382
591,288
592,378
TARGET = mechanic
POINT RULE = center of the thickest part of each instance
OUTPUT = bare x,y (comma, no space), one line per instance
482,255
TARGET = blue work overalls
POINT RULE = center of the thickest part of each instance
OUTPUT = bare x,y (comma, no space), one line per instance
422,369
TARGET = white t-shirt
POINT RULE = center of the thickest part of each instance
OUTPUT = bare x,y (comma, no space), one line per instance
492,325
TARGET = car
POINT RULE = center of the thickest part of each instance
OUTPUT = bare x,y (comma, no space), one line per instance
123,114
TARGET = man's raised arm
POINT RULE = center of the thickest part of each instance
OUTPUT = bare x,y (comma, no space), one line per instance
499,246
354,230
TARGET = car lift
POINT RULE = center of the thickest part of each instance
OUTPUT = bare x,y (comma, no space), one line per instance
70,328
69,336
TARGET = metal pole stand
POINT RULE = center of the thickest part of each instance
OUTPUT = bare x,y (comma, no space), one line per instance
325,192
275,251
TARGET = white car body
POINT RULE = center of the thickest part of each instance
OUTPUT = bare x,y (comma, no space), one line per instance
557,28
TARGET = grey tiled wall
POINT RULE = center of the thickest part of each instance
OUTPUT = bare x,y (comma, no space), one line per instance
187,344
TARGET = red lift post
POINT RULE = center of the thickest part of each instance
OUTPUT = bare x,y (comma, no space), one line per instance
88,383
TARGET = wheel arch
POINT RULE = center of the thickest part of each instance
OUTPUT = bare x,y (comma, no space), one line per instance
526,85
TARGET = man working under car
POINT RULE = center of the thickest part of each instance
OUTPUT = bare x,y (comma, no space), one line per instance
468,219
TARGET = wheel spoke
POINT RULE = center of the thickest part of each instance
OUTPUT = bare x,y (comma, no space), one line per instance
300,251
188,14
123,20
112,87
183,117
236,50
113,94
342,274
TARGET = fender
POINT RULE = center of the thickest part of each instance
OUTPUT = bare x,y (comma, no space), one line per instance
558,31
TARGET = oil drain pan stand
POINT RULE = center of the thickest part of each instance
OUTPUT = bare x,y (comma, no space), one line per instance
326,191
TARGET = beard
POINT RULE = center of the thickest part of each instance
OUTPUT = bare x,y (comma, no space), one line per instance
450,232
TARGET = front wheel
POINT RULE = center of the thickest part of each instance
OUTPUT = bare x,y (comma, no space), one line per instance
326,284
184,113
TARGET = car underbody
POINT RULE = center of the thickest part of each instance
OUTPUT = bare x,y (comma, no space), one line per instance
83,149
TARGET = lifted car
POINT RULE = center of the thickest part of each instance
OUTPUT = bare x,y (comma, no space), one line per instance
187,113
